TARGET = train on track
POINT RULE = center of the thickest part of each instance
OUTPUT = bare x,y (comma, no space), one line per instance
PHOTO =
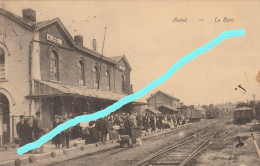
211,114
243,114
198,113
192,113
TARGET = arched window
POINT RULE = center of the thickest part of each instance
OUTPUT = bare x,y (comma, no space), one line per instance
123,83
54,66
96,77
81,73
2,63
108,80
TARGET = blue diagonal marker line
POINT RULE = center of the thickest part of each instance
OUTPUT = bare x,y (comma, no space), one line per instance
134,96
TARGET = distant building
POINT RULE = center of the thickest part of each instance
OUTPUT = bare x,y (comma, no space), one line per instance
149,111
42,67
163,102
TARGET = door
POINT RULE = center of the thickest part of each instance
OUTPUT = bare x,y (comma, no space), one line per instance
4,119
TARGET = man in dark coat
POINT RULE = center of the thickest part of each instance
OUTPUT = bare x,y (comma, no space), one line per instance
37,126
99,127
178,120
139,119
117,121
38,129
127,124
146,123
21,132
65,135
28,134
110,126
104,129
57,138
160,121
152,123
93,131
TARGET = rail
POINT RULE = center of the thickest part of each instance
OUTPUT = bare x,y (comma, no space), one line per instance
176,145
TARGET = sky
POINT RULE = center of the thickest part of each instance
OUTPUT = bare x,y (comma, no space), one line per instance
144,31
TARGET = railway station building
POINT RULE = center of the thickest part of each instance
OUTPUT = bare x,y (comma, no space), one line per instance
164,102
43,68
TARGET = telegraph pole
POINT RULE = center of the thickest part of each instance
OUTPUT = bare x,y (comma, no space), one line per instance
99,72
104,40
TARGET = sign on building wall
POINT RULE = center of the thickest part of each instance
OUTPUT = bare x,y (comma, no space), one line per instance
54,39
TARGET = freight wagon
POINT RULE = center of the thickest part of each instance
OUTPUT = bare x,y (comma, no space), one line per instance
243,114
191,113
211,114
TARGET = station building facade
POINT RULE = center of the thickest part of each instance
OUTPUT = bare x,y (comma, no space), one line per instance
43,68
163,102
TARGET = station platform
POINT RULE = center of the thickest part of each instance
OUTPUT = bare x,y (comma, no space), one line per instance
10,156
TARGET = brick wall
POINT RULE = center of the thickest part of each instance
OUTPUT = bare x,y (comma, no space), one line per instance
15,40
126,74
68,63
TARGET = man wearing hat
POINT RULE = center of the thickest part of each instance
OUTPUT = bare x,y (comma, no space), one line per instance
37,127
20,131
65,135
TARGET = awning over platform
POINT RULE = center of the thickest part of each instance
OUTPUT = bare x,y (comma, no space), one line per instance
153,110
169,108
139,102
49,89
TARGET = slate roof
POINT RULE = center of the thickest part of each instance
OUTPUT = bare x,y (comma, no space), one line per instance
159,91
36,26
64,89
153,110
118,58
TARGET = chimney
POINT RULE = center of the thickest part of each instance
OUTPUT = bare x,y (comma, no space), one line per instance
29,15
79,39
94,44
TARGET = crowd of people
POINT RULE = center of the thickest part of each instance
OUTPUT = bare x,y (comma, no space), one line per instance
112,126
28,132
100,130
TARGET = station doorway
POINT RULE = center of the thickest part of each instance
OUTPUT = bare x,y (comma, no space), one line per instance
4,120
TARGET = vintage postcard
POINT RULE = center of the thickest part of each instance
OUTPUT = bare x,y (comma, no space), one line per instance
130,83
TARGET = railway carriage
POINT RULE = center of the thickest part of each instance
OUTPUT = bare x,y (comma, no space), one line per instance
243,114
191,113
211,114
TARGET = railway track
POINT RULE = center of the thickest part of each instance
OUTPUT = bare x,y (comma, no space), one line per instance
186,127
116,150
183,151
